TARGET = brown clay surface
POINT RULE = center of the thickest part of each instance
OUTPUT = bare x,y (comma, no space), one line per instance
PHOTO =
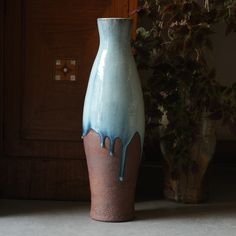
111,199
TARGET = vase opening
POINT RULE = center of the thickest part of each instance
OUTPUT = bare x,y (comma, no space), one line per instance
114,18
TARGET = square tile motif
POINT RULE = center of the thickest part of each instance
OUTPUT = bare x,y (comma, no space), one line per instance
66,69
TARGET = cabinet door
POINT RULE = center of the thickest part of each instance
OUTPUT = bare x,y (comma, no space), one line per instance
49,50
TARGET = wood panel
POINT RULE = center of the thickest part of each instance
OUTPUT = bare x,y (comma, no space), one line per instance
133,5
15,177
43,153
29,178
44,116
2,10
68,180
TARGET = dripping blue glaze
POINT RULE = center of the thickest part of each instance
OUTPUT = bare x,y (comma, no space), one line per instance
113,105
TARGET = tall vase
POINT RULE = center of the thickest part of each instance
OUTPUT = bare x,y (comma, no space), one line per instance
113,123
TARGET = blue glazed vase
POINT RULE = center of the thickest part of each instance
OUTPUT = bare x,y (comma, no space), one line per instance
113,123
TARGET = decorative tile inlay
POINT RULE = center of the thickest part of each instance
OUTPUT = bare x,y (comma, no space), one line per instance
72,62
72,78
58,62
57,77
66,69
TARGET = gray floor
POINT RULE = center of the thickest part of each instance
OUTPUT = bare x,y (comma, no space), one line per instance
34,218
153,218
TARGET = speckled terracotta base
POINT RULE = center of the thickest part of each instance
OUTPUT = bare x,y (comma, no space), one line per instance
111,200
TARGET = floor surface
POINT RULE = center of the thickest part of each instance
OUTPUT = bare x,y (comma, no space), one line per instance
153,217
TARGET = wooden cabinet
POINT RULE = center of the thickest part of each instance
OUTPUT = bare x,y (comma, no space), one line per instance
47,51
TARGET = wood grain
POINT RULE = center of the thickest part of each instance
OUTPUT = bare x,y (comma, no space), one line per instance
15,177
43,153
133,5
43,116
30,178
2,12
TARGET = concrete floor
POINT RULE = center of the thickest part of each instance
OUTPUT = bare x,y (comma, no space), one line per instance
153,217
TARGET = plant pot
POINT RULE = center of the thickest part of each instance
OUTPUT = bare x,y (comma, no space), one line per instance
113,124
185,181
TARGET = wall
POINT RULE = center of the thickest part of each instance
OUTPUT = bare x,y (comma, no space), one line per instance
223,58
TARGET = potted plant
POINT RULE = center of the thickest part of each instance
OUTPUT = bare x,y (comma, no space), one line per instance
184,101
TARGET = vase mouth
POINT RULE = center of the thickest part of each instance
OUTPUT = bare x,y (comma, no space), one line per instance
114,18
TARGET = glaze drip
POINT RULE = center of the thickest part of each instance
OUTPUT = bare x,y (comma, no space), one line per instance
112,149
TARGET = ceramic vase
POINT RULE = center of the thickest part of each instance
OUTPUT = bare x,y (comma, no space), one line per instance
113,123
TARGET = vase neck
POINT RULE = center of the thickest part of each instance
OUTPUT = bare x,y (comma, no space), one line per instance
114,31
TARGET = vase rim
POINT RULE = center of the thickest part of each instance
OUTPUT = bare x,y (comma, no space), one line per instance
114,18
